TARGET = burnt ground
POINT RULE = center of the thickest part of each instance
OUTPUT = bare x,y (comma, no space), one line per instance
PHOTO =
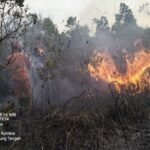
122,125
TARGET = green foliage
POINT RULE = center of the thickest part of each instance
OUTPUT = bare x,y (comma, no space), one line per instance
102,24
50,64
124,18
49,26
14,19
72,21
14,22
20,2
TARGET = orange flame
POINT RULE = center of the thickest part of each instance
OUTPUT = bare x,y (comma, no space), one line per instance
136,78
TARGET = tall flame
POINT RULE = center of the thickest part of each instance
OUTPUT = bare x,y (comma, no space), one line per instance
136,78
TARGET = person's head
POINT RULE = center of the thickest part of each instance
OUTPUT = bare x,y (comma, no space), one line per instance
16,45
39,51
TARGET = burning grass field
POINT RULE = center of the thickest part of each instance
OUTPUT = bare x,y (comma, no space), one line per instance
136,78
123,124
85,90
118,118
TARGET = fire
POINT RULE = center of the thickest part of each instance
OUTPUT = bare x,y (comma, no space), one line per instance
135,79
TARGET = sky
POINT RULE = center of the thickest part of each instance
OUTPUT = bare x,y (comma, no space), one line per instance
87,10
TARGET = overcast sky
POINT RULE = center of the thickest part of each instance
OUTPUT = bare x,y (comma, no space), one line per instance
86,10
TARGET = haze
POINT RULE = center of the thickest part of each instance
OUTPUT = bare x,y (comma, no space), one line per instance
86,10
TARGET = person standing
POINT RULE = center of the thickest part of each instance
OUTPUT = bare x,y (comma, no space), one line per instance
37,64
19,66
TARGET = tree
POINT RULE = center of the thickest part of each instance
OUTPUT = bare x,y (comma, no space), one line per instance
14,18
102,24
49,26
124,18
71,22
45,34
14,22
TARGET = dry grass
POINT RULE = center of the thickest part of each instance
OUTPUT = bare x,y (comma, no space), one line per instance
121,125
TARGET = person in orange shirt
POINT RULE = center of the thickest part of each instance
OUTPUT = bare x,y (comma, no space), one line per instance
19,65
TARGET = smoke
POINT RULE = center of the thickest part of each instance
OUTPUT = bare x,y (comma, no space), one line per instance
145,8
63,73
96,9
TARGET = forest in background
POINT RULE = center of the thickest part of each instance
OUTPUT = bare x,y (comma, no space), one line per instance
75,111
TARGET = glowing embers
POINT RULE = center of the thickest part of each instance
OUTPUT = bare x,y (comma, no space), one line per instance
136,79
